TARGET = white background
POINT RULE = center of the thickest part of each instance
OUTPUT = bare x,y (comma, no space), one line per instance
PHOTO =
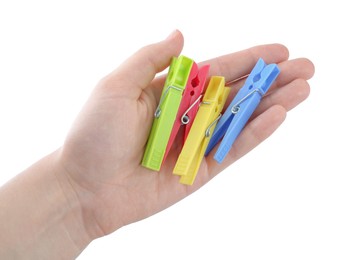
291,198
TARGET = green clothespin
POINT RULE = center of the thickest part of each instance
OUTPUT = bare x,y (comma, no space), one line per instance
166,111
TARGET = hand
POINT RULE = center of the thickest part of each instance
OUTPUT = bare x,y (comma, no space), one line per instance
102,153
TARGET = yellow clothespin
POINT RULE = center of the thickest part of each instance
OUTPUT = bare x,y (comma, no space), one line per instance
166,112
209,112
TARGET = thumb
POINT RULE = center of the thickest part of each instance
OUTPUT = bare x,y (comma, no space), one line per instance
137,72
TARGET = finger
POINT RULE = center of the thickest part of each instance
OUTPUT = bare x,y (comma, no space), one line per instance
288,96
290,70
255,132
137,72
235,65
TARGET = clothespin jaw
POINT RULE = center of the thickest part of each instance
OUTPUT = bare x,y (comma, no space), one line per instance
197,82
242,107
192,153
166,111
189,104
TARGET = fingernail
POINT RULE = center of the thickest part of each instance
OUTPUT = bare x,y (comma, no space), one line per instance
171,35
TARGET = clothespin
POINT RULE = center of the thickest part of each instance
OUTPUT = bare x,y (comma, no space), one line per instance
242,107
192,153
166,111
190,103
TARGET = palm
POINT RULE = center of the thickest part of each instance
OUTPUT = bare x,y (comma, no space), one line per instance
103,152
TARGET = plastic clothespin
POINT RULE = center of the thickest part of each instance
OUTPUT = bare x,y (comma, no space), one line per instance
192,153
242,107
166,111
190,103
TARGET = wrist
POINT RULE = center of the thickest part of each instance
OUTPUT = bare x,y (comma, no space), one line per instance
81,201
42,215
73,218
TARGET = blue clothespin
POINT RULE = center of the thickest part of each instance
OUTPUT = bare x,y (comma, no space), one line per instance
242,107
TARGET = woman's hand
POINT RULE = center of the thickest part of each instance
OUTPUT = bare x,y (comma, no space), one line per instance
102,154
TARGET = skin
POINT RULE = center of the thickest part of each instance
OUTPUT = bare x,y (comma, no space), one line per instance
94,184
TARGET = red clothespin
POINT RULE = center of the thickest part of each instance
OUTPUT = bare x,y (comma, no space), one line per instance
191,99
